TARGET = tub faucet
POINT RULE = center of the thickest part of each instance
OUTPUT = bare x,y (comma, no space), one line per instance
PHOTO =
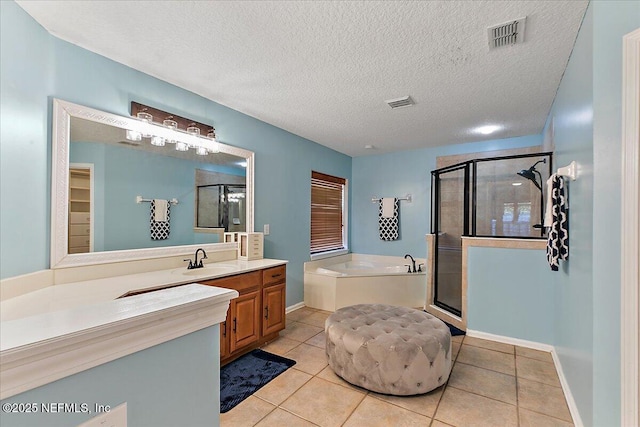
413,262
195,264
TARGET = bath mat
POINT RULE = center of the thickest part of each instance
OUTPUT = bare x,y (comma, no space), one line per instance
242,377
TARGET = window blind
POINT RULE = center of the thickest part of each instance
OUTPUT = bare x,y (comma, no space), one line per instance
327,194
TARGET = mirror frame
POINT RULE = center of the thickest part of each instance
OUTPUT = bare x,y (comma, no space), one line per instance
60,258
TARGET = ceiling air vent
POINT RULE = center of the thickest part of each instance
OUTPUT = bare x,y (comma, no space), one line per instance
506,34
405,101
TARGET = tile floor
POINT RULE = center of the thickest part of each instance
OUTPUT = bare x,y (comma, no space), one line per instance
491,384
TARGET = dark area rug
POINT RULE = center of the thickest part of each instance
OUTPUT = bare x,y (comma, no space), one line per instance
242,377
455,331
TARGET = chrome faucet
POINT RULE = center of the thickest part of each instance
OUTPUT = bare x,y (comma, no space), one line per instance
413,263
195,264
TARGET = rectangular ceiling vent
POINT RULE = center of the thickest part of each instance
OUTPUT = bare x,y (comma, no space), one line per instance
405,101
508,33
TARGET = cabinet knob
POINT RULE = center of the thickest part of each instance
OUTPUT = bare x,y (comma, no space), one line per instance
266,312
235,324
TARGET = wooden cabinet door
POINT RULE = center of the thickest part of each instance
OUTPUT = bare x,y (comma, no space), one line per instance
273,307
225,333
245,320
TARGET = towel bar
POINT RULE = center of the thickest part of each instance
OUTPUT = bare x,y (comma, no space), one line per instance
139,199
378,199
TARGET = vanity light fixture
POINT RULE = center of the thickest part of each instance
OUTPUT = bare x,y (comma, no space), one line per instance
183,132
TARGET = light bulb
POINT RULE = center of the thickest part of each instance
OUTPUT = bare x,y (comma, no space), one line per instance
145,117
158,141
201,151
193,129
133,135
171,124
182,146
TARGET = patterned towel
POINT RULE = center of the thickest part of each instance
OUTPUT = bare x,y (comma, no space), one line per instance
558,236
388,227
160,229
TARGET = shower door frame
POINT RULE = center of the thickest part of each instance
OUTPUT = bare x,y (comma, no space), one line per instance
469,227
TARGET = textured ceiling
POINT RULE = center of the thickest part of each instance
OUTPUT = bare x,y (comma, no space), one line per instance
322,70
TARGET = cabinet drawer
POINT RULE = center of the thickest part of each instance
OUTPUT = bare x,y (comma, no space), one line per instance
274,275
79,218
79,230
240,282
75,241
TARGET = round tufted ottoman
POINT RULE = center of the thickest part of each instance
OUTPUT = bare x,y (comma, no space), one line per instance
388,349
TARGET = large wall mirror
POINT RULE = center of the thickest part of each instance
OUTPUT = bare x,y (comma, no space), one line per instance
117,199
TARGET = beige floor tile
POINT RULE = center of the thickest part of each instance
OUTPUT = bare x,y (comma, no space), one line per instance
247,413
437,423
536,370
279,418
489,345
455,349
458,338
300,313
323,403
316,319
484,382
283,386
318,340
328,374
308,358
542,398
461,408
374,412
533,419
300,331
281,346
488,359
424,404
544,356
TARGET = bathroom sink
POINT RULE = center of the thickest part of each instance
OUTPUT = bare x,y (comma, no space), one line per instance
208,269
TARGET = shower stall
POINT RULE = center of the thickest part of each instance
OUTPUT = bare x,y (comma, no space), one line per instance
221,206
499,197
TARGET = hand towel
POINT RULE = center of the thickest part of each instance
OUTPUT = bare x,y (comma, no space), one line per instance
388,206
548,212
160,229
558,234
388,226
161,207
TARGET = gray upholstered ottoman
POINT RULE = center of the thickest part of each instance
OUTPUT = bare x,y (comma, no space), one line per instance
388,349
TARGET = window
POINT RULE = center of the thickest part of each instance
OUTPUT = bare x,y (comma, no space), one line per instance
327,213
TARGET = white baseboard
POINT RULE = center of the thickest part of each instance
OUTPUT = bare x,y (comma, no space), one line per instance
294,307
509,340
571,403
573,408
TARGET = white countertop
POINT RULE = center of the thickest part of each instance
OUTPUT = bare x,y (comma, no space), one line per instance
43,348
78,294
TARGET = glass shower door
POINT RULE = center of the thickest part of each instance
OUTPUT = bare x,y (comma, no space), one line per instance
452,189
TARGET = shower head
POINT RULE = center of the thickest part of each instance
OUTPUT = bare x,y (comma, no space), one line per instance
530,174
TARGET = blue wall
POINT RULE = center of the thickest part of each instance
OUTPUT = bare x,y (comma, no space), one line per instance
37,67
510,293
175,383
572,114
611,21
395,175
26,75
587,121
